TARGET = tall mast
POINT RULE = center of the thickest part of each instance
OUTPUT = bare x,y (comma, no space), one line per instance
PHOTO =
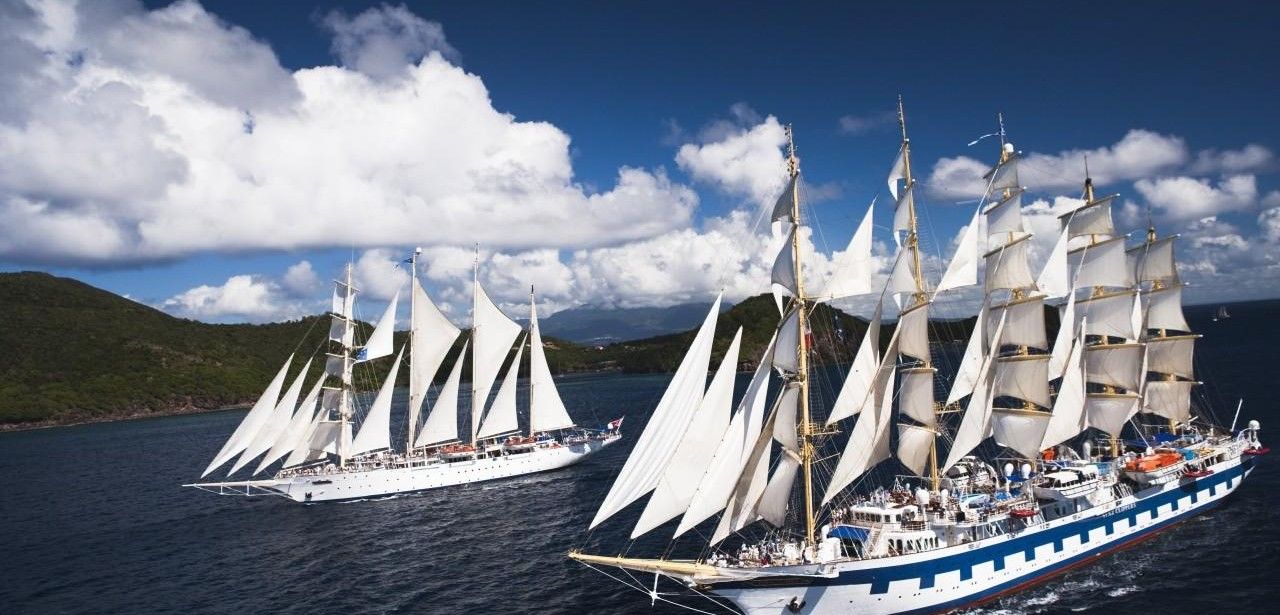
806,426
344,399
413,332
475,296
533,322
913,244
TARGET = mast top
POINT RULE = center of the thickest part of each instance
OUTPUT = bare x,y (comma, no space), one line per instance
902,120
1088,182
793,163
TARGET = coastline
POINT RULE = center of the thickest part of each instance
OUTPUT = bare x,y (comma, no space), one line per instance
71,421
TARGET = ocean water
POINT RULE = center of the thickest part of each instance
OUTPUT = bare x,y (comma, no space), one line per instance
94,521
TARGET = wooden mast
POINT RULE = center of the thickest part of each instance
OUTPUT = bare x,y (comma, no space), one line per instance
806,425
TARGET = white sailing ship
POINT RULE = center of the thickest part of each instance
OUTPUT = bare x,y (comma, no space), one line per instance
984,520
323,460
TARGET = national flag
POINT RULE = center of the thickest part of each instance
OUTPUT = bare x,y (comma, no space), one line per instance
615,424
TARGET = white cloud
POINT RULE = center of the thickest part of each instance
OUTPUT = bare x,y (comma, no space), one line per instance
745,162
381,273
1188,198
131,158
860,124
1269,224
300,280
1248,159
241,297
383,41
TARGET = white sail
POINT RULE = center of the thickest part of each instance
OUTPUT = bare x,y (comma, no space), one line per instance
1172,355
248,427
1153,261
442,422
1063,342
1024,325
295,431
338,366
546,409
1110,314
302,451
432,336
786,358
1168,398
741,509
1091,219
674,492
784,428
342,331
666,425
868,442
784,265
343,301
1101,264
971,364
1024,377
380,342
854,269
1003,176
375,431
777,493
902,209
1006,216
962,271
916,397
976,424
914,444
897,172
275,423
782,207
1110,412
1020,430
492,334
914,340
1068,417
1007,266
501,418
855,393
1164,309
902,279
1115,365
732,454
1055,278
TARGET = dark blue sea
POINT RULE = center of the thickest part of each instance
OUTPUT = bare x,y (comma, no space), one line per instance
94,521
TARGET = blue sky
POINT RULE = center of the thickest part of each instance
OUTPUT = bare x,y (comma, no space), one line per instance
125,168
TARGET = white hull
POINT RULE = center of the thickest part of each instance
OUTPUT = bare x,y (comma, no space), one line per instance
955,577
419,477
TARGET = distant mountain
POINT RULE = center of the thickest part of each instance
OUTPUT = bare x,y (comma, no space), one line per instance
597,326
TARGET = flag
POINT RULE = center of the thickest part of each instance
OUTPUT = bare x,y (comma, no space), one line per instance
615,424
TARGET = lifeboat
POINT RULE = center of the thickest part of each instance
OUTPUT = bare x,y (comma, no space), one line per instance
1024,512
1160,467
518,443
1259,451
1153,462
1200,473
457,451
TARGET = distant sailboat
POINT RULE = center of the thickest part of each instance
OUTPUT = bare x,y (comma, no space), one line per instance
1222,314
323,460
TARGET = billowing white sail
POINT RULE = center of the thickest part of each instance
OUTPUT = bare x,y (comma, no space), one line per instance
501,418
868,442
773,502
914,340
375,431
666,425
302,451
853,270
1025,377
1020,430
1003,176
786,357
1168,398
1006,216
897,172
902,209
431,337
855,393
342,331
546,409
338,366
296,429
248,427
1164,309
442,422
741,509
1110,412
1068,417
916,397
962,271
976,424
275,423
1091,219
689,462
380,343
914,444
1055,278
1024,325
1172,355
734,451
1115,365
1063,342
1153,261
1101,264
784,266
782,208
492,334
343,300
974,354
902,279
1110,314
1007,266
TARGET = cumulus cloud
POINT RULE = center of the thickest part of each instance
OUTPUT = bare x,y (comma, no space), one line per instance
127,156
743,161
1186,198
381,42
240,298
860,124
300,279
